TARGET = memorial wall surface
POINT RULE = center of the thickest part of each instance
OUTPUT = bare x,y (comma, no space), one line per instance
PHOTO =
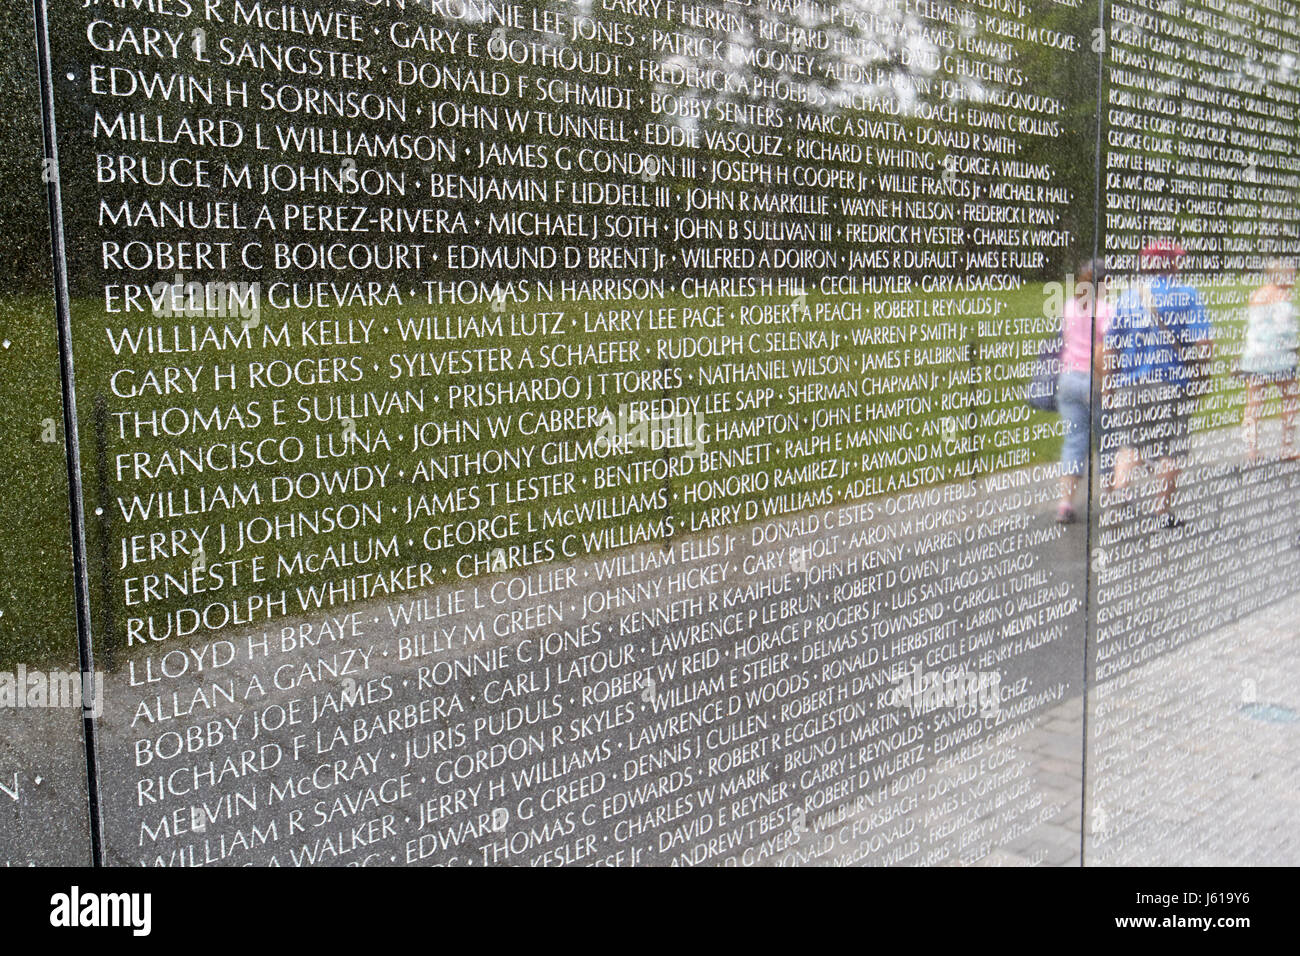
44,816
635,432
1193,692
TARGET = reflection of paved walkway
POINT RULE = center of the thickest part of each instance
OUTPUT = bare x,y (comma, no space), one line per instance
1196,754
1053,750
1181,769
43,817
801,609
1164,747
1032,822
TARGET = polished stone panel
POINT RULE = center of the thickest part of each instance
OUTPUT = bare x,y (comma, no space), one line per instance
673,433
43,803
1197,518
554,433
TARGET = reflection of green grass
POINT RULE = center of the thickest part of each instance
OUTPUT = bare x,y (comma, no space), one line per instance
807,488
96,364
37,627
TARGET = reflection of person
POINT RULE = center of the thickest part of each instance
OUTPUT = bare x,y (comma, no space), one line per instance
1083,322
1269,356
1157,347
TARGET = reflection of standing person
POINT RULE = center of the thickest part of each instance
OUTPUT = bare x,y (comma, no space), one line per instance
1157,346
1269,356
1083,323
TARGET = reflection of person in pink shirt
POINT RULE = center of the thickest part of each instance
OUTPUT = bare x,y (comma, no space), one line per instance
1080,365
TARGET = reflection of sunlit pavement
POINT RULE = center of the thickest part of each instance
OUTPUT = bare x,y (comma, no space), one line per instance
1195,755
1192,755
1053,752
973,814
987,829
42,788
